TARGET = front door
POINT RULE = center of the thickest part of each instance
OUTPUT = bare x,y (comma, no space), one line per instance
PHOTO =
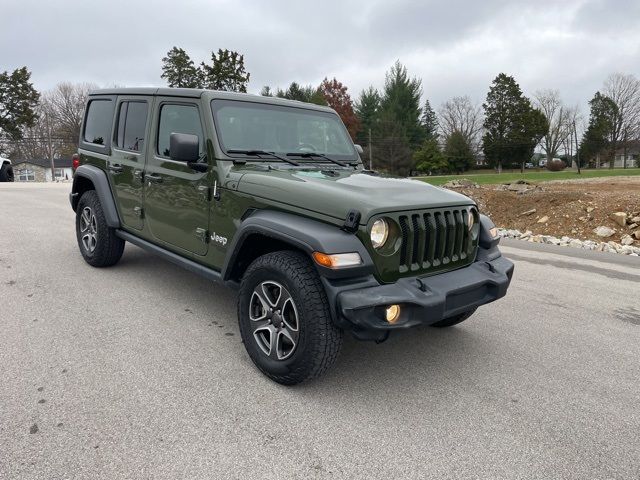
176,197
127,160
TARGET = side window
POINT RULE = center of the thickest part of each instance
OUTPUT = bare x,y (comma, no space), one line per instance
97,125
177,119
132,123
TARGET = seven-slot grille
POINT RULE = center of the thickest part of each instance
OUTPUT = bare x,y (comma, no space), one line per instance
436,239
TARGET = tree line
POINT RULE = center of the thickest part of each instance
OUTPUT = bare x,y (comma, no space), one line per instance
399,133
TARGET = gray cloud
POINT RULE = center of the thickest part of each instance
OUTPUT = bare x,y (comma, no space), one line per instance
455,47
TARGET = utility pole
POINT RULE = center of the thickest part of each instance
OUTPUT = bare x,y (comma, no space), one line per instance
50,148
370,152
575,135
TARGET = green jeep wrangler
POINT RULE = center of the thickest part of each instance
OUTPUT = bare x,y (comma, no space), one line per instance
270,197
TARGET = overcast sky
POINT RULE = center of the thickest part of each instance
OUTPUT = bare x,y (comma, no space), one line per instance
456,47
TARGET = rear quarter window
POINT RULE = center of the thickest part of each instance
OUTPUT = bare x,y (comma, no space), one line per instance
97,126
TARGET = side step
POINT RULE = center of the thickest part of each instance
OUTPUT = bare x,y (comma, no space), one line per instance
172,257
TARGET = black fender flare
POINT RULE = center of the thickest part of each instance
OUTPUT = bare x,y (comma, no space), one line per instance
306,234
101,185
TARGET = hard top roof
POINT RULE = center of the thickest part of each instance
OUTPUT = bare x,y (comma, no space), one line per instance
208,95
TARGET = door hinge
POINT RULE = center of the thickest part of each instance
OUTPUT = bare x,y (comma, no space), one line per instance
202,234
139,212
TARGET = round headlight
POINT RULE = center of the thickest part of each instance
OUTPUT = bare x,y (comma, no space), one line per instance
471,220
379,233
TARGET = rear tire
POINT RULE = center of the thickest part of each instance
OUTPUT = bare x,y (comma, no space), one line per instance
450,322
98,243
284,318
6,173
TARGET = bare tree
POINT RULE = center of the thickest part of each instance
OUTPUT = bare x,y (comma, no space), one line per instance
460,114
624,90
560,120
67,101
56,131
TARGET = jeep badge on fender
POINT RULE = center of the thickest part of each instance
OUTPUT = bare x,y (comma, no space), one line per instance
315,244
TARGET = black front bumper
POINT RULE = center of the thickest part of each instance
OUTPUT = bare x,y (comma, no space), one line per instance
426,300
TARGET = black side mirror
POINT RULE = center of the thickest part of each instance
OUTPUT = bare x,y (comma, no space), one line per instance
184,147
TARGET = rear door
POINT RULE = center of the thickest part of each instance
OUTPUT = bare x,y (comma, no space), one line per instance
127,161
176,196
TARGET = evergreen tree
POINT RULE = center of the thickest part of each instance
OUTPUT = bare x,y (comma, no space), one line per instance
226,72
391,151
596,140
401,101
429,158
266,91
179,71
512,126
367,108
306,94
18,102
458,153
429,121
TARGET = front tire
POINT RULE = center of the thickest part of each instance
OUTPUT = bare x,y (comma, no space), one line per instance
98,243
450,322
284,318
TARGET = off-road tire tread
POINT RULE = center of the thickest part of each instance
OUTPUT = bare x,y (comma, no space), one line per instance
109,247
326,337
450,322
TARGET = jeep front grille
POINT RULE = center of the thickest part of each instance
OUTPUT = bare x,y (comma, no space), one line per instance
436,240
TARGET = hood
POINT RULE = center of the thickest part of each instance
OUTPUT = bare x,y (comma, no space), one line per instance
334,192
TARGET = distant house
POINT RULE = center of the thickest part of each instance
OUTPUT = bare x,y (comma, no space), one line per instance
39,170
632,153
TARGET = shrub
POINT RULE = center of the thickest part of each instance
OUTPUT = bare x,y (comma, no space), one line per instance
556,165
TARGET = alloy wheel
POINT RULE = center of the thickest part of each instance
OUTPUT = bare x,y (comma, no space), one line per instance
274,320
88,229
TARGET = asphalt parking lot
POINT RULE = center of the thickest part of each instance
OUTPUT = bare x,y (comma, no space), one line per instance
137,371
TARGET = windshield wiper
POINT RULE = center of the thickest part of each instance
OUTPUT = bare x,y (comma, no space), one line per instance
257,153
319,155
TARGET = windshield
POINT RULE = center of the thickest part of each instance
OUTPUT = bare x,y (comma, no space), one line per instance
285,130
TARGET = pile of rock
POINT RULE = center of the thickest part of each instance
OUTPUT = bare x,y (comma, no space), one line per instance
630,228
462,183
610,246
519,186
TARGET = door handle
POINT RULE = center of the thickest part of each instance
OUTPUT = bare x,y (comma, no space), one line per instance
153,178
115,168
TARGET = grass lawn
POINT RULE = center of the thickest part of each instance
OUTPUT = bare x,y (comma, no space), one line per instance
543,176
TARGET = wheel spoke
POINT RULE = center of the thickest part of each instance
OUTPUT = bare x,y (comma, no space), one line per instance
85,219
285,344
290,314
265,286
262,307
265,338
283,299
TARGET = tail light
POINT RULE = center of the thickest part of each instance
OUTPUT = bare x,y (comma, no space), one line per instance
75,161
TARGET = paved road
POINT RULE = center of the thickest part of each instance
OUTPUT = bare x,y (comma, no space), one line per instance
137,371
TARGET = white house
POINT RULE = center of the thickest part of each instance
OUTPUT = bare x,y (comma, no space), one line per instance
39,170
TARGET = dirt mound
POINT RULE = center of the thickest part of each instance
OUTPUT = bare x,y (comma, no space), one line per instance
572,208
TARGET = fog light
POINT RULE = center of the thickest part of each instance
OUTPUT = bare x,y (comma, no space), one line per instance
392,313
